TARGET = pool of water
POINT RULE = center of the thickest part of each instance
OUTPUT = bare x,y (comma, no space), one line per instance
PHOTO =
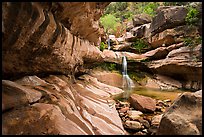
155,93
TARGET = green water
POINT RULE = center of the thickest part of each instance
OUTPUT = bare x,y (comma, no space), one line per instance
155,93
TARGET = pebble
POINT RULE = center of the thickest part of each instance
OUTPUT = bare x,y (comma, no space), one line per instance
134,114
133,125
125,109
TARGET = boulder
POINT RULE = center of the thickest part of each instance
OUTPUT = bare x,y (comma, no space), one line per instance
141,19
134,114
158,53
130,37
156,119
184,116
168,18
141,31
143,103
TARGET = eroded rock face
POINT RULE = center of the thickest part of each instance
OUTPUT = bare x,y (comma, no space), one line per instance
174,35
111,56
162,52
84,107
36,37
184,117
82,18
183,64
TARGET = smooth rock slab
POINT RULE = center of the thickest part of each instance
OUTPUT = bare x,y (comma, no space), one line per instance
66,108
14,95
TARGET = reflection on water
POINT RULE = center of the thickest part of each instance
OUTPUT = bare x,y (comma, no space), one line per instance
156,93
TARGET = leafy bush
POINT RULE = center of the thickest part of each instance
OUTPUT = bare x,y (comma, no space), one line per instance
144,7
139,44
192,41
150,8
191,17
103,46
188,41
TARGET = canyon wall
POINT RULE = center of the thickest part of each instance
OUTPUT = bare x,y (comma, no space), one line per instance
52,38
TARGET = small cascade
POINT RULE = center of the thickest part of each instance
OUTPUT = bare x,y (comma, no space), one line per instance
128,84
108,43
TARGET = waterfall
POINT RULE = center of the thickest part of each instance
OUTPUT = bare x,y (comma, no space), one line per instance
108,43
128,84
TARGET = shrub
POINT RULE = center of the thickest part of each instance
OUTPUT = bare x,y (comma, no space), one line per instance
192,41
145,7
191,17
108,66
103,46
150,8
139,44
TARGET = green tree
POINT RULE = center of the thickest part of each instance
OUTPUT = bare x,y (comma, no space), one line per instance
110,23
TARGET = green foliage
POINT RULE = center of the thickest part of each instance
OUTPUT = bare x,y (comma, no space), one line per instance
137,76
175,3
149,8
144,7
139,44
110,23
115,8
192,42
145,60
108,66
103,46
188,41
191,17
